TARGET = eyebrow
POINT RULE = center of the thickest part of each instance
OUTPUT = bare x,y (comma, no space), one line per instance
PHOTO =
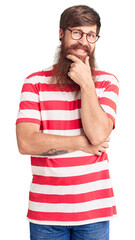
84,32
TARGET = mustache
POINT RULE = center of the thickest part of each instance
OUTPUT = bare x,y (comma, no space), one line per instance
79,46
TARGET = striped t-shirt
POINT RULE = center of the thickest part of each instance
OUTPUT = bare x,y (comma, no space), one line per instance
73,188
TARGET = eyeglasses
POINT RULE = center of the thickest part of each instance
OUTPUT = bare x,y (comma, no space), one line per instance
78,34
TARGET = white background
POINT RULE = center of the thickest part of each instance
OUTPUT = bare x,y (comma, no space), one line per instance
29,37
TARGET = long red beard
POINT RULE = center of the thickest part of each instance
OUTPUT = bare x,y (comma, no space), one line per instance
63,65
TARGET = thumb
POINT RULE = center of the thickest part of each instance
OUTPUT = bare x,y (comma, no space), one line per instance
87,61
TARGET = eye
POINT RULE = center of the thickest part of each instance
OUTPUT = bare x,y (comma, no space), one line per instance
91,35
76,32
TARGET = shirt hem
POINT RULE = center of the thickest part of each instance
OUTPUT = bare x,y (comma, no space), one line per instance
56,223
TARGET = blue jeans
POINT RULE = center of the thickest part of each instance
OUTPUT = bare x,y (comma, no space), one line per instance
93,231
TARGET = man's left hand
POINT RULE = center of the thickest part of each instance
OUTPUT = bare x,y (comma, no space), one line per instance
80,72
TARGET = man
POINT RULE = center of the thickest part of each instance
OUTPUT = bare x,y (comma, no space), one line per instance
66,115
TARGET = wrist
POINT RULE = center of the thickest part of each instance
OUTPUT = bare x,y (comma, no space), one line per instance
87,85
83,142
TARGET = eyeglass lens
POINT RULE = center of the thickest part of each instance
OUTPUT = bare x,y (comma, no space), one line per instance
91,37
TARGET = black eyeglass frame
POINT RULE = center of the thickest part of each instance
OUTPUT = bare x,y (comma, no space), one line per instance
82,33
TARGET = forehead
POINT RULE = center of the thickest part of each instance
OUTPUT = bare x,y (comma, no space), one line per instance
86,29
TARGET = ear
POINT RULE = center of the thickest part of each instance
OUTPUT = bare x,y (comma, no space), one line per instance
61,34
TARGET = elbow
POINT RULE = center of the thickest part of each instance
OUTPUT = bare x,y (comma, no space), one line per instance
97,140
22,151
23,147
99,136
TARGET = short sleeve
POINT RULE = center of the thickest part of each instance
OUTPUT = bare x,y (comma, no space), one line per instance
109,96
29,108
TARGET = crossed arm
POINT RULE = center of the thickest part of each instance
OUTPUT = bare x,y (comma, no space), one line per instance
96,124
32,142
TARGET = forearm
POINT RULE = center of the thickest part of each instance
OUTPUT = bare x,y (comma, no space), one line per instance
33,142
96,124
49,145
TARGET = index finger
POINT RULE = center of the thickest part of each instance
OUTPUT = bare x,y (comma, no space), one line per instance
73,58
107,140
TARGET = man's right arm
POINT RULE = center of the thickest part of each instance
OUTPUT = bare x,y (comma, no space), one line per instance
33,142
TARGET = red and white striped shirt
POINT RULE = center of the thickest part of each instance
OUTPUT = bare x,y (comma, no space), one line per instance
73,188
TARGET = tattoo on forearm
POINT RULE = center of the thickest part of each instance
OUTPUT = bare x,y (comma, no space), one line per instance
54,152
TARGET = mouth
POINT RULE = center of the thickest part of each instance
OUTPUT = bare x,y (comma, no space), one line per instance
80,51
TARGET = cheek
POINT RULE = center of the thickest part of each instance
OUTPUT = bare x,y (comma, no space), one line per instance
67,39
92,47
69,43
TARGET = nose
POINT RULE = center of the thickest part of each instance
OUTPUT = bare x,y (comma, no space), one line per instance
83,40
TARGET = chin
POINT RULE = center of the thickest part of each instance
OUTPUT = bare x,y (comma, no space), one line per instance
81,57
